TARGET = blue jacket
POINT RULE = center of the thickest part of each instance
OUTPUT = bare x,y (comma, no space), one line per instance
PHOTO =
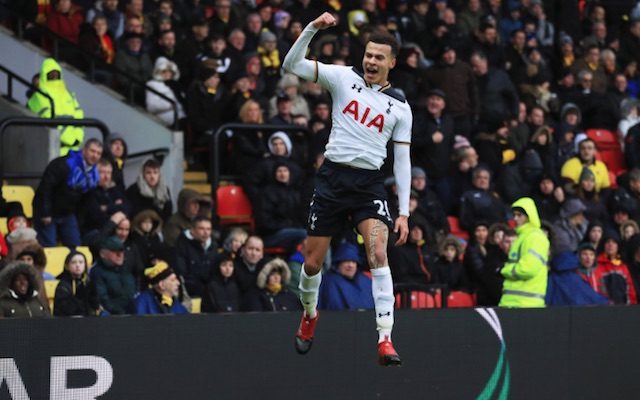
565,287
147,303
340,293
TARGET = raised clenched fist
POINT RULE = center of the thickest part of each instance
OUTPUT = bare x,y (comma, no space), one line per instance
326,20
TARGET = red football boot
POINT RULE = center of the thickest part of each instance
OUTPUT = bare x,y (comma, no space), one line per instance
304,336
387,355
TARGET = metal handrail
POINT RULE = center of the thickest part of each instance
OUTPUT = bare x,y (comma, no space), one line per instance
93,59
164,151
12,75
239,128
52,122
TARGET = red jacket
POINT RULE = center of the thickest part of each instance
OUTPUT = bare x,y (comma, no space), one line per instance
611,278
66,25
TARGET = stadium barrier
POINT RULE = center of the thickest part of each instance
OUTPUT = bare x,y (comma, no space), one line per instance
559,353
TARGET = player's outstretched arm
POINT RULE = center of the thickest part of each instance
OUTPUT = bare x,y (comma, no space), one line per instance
402,173
295,61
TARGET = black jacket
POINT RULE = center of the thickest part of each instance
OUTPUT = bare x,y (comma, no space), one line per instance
480,205
263,300
411,263
221,295
74,297
434,158
498,97
54,198
140,203
99,205
279,208
195,262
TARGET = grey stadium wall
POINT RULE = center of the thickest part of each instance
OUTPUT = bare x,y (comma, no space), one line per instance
557,353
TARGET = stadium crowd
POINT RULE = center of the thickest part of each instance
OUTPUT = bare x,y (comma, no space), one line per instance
511,99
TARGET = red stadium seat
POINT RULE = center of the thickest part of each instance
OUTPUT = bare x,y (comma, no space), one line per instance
233,206
415,297
609,149
458,299
604,139
456,230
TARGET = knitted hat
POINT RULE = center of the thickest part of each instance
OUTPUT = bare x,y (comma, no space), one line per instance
267,36
418,172
586,174
158,272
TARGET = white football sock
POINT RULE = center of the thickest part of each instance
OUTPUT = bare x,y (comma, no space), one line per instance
309,286
382,290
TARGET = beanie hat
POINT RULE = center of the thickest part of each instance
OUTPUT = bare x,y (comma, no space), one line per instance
586,174
158,272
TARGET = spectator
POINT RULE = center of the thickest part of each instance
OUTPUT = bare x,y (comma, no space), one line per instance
586,157
270,59
481,203
75,294
115,18
498,97
490,281
33,254
289,85
545,31
585,191
150,191
466,160
344,287
283,114
115,285
493,149
272,293
548,198
430,207
102,202
447,269
117,153
566,131
207,105
146,236
612,277
165,81
432,144
216,51
196,250
249,264
188,49
190,205
469,18
64,183
162,296
134,60
525,272
249,147
279,220
95,39
571,227
233,243
475,253
542,143
630,44
516,64
518,178
64,104
455,78
412,261
591,62
594,234
18,292
222,293
65,20
406,76
633,260
224,19
486,43
165,46
565,287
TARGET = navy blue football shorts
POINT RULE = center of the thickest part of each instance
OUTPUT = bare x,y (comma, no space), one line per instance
345,194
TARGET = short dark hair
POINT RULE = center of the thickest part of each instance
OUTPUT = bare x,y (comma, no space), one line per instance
92,141
151,163
385,38
199,218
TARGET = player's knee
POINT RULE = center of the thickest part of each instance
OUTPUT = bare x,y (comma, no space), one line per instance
311,267
379,258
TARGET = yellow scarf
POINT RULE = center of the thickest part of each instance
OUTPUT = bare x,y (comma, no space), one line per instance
167,300
269,60
274,288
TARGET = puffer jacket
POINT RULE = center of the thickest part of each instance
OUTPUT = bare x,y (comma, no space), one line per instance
13,305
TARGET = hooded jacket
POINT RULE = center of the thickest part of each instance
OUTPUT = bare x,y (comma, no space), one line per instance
179,221
525,271
65,106
13,305
195,262
151,245
266,299
565,286
74,296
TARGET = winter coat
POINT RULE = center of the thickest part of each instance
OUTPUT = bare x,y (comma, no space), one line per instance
480,205
411,263
65,106
115,287
13,305
140,202
195,262
148,303
611,279
67,24
55,195
74,297
337,292
565,286
157,105
206,111
525,271
150,245
265,300
568,236
434,158
278,209
458,83
99,205
499,100
221,295
179,220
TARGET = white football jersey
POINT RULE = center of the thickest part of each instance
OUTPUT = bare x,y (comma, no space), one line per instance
364,117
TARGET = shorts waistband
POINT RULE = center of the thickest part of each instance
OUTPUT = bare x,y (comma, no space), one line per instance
335,165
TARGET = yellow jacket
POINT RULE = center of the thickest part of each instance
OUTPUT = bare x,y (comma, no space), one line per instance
525,272
572,169
65,106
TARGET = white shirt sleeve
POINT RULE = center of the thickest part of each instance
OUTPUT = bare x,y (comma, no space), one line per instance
295,61
402,173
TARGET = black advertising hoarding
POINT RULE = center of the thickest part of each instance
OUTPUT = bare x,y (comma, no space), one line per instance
559,353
